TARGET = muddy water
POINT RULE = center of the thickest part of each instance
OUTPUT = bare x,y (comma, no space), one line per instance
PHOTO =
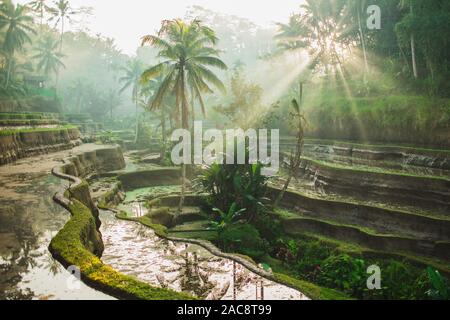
135,250
28,220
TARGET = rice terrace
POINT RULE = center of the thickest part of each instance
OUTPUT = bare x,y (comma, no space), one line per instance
287,150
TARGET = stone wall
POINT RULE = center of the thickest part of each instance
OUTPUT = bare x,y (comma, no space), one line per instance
19,145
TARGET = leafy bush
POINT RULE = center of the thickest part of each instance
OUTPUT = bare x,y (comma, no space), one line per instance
310,257
243,238
344,273
269,227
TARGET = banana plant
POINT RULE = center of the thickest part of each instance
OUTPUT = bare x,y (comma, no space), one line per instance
226,218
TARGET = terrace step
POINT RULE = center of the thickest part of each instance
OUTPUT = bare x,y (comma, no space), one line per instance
367,238
416,156
427,192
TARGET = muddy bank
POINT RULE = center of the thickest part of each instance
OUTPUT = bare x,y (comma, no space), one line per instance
24,144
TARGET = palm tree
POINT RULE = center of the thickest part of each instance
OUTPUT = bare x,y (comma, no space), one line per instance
62,11
18,25
40,7
318,29
133,71
47,55
188,50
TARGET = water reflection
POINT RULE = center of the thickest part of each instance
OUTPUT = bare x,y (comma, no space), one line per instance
135,250
29,219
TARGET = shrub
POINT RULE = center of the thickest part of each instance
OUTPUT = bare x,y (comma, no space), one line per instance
269,227
310,256
243,238
344,273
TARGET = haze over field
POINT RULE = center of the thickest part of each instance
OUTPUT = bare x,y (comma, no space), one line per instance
127,22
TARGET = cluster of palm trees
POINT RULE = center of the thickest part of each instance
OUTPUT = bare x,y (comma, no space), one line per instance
17,30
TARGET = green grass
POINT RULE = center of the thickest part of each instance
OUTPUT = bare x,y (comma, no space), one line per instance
390,119
18,131
30,122
28,116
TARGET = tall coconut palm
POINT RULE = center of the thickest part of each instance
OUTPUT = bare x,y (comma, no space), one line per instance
18,25
40,7
133,71
62,11
187,50
49,60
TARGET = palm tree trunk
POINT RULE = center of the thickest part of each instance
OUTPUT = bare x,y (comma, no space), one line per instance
136,137
60,51
163,133
413,48
413,55
363,44
163,124
8,75
185,125
192,110
42,15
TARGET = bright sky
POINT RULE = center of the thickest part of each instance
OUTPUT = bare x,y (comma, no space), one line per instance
127,20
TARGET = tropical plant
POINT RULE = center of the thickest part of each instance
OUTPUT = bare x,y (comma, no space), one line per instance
242,185
18,25
49,60
187,50
226,219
